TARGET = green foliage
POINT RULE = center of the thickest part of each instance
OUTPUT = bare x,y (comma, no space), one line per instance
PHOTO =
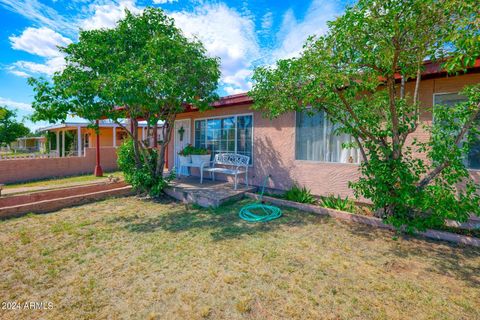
299,194
10,129
338,203
141,178
187,151
145,65
354,74
200,151
191,150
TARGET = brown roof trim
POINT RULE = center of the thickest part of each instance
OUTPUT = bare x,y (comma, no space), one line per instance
432,70
227,101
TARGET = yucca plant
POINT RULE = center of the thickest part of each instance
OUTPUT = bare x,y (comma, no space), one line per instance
338,203
299,194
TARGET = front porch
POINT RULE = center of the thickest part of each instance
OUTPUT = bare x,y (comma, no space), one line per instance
209,194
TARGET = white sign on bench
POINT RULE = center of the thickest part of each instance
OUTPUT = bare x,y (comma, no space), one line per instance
231,164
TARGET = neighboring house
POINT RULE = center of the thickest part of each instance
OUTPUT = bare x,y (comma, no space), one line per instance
73,151
28,144
298,148
111,136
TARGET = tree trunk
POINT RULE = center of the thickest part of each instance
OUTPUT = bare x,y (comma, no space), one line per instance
136,152
167,130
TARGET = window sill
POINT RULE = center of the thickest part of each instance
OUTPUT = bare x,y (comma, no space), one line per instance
327,162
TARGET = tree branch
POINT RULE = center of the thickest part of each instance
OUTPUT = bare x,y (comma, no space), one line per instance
435,172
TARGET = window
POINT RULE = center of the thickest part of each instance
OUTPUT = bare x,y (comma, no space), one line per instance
472,161
316,140
231,134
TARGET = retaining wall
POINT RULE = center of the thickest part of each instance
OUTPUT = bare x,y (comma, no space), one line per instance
21,170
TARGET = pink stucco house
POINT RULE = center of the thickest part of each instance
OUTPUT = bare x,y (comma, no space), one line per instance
296,148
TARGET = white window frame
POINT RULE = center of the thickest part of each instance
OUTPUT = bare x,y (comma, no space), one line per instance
236,115
317,161
433,118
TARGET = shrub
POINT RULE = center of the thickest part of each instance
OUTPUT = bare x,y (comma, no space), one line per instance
191,150
338,203
299,194
142,179
187,150
200,151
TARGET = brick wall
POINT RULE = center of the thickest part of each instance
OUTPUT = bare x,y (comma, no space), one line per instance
20,170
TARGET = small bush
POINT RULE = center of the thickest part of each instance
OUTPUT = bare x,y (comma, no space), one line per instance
191,150
187,150
142,179
299,194
338,203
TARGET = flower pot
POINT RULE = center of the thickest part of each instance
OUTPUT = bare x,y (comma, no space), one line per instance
199,158
185,159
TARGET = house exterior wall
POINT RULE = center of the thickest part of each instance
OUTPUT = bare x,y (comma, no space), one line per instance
20,170
274,144
106,136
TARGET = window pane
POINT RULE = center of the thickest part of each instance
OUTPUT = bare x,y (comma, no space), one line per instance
316,139
218,135
472,160
474,155
449,99
200,133
244,136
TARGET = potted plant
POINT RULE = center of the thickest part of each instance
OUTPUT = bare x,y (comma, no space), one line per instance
200,155
185,155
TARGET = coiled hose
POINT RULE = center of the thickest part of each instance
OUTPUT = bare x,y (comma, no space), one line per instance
266,212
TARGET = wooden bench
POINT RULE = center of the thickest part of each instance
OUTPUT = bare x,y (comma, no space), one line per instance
231,164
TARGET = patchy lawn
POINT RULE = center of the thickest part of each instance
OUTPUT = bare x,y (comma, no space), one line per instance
61,181
133,258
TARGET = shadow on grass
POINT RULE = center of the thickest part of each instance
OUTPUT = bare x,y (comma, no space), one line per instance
443,257
223,222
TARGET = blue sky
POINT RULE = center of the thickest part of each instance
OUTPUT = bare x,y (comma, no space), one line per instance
243,34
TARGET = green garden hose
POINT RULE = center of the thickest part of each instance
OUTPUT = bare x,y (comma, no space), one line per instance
267,212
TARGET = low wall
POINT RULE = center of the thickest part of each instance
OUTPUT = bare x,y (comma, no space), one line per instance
21,170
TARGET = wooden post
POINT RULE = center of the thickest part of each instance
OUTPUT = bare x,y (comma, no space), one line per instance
79,141
98,168
63,143
57,149
114,136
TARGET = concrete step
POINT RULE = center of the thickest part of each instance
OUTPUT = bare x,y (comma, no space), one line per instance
208,194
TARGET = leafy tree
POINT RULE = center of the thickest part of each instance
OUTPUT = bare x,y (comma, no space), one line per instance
10,129
365,74
144,68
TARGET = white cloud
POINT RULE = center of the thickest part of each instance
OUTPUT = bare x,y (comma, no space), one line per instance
48,68
39,41
18,73
14,104
230,90
226,34
41,14
293,33
107,15
164,1
42,42
267,21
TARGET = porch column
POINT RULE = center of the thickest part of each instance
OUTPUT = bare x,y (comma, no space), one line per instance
63,143
79,141
155,136
58,143
98,168
114,136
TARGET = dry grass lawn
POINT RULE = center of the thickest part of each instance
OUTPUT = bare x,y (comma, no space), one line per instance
137,259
